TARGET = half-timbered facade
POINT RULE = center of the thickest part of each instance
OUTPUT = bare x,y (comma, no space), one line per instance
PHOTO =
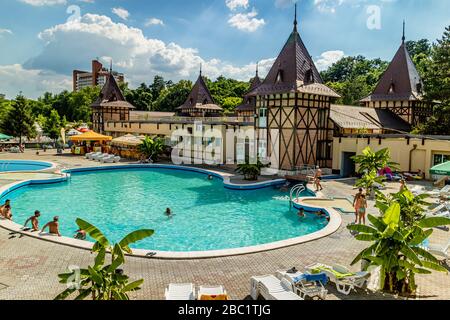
293,110
110,106
400,90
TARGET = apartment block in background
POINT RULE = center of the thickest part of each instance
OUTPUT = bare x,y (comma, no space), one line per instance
97,77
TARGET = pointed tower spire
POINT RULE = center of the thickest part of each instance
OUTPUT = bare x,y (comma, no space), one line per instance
295,19
403,38
110,66
201,69
257,67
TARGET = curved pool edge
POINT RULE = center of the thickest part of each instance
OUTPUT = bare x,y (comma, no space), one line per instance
226,178
330,228
52,166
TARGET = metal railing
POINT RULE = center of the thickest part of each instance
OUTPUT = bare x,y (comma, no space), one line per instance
297,189
193,119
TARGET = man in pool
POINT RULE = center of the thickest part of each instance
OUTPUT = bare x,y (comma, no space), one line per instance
7,214
34,221
53,227
80,235
169,213
301,213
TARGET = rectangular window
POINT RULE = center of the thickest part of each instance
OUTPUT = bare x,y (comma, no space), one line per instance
324,149
263,117
440,158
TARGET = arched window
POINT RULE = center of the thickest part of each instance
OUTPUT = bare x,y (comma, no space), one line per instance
392,88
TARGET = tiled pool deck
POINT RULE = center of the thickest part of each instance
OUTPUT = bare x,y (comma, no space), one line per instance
30,267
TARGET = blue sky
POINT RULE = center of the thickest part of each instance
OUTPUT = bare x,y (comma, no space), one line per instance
40,46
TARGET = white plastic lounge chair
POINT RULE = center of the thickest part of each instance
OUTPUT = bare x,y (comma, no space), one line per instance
436,210
112,159
272,288
440,250
304,288
345,280
109,156
183,291
98,158
211,291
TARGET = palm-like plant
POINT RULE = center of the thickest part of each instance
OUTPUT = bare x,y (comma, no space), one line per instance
250,171
151,148
369,164
396,240
103,281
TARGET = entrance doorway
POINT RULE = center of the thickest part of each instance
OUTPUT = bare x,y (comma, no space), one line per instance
348,168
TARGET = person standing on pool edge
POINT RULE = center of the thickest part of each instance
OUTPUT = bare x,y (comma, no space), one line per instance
318,179
356,204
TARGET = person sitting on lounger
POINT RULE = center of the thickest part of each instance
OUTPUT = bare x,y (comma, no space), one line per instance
53,227
403,185
34,221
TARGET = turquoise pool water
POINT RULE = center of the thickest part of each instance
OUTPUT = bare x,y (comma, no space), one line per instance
207,216
18,165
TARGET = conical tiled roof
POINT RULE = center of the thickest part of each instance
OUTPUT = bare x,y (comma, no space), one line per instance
111,95
200,97
249,102
293,71
401,81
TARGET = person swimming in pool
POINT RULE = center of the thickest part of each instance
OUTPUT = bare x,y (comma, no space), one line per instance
53,227
80,235
301,213
169,214
210,177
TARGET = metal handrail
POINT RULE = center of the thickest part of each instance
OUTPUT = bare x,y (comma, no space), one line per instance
299,188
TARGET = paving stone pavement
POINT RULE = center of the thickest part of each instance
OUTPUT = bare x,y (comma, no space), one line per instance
30,267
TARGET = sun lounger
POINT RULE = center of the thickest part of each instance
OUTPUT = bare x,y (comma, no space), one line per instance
184,291
99,157
111,159
272,288
92,154
345,280
305,286
437,210
109,156
440,250
212,293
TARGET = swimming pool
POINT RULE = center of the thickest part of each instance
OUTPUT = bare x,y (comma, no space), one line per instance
20,165
207,215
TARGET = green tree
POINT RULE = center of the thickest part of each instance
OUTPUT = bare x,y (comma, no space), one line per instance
369,164
157,86
173,96
354,77
437,87
19,121
103,281
395,244
52,125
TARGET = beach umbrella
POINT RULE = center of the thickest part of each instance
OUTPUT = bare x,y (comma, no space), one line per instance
441,170
5,137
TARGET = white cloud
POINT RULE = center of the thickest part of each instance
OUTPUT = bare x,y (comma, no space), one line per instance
154,22
327,58
32,83
246,21
41,3
121,13
74,44
5,31
235,4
